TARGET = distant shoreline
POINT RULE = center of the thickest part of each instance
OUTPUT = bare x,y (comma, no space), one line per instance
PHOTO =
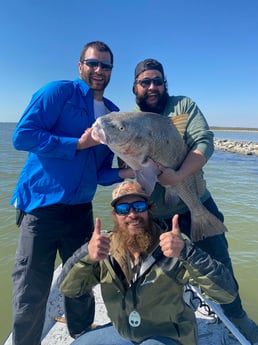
213,128
234,129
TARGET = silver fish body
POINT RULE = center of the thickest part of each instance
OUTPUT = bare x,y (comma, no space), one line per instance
142,140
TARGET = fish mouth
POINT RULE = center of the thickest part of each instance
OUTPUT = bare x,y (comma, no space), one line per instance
98,133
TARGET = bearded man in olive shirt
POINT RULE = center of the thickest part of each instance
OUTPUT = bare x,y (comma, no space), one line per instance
150,89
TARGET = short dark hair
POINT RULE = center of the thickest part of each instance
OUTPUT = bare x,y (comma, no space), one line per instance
98,45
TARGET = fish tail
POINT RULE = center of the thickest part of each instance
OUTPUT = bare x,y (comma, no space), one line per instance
205,225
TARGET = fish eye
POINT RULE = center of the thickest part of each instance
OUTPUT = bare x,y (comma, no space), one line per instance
121,128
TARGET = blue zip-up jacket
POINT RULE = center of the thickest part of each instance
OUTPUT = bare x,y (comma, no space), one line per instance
55,171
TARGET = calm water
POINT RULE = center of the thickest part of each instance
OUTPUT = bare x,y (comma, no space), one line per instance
232,179
237,135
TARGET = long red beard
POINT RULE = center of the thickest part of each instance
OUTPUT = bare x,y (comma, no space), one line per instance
140,242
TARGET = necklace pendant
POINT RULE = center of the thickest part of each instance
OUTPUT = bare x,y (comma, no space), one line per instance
134,319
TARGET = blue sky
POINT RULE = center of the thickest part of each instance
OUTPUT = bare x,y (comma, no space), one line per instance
209,50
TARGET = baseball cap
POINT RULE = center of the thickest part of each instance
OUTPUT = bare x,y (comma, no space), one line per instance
127,188
148,64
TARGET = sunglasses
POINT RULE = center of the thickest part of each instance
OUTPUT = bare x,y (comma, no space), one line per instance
94,63
146,82
137,206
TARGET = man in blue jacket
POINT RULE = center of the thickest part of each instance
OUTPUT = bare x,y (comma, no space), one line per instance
53,196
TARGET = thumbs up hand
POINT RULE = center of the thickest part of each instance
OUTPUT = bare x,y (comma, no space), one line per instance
172,242
98,247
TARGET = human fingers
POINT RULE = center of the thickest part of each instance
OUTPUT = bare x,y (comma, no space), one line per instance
99,244
171,242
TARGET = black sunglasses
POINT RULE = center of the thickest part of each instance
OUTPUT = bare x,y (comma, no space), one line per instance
137,206
146,82
94,63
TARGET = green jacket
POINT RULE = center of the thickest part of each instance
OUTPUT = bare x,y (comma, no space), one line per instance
194,129
157,292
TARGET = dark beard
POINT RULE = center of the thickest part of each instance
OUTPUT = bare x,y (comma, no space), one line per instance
159,108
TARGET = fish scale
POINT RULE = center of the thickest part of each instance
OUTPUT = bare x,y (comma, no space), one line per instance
142,140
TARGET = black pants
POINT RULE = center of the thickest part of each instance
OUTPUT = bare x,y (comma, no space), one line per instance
44,231
216,247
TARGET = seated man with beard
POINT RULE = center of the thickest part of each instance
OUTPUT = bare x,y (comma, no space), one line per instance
142,273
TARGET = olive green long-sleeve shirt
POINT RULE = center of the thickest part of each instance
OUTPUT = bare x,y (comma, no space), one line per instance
152,304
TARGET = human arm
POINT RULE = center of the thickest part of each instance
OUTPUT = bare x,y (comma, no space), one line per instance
54,121
197,136
124,170
107,174
210,275
81,271
99,244
79,274
193,162
85,141
126,173
172,242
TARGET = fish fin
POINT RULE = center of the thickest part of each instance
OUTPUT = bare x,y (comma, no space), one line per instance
203,222
146,179
180,122
205,225
147,175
